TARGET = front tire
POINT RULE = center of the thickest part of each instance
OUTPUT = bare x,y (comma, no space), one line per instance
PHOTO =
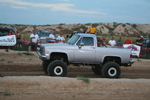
44,66
111,70
57,68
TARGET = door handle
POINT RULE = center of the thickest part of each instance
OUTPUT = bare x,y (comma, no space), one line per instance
93,47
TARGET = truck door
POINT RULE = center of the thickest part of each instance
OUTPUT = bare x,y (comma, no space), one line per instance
85,54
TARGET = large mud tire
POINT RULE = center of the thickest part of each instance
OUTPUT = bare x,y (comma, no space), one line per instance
111,70
57,68
45,66
31,44
19,45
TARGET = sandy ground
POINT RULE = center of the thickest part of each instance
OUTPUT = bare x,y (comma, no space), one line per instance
24,80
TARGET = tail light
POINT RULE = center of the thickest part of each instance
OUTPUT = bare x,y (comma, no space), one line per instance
130,55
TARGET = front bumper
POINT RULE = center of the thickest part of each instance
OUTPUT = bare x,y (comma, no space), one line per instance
42,57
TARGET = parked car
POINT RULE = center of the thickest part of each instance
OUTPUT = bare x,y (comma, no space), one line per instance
76,32
43,38
3,32
83,49
146,42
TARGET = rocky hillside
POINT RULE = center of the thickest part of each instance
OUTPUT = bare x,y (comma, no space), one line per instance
102,28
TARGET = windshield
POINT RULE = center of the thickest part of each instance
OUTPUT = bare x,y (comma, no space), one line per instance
43,33
73,39
3,32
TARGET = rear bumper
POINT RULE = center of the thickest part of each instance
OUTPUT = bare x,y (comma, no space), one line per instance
130,63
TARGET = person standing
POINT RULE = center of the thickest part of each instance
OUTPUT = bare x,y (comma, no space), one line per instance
92,29
34,37
99,41
104,41
10,33
18,36
112,42
139,42
24,41
119,42
60,38
128,41
52,37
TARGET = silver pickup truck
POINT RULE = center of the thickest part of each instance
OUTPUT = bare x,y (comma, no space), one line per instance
83,49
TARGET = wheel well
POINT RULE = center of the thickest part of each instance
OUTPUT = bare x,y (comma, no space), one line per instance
114,59
59,56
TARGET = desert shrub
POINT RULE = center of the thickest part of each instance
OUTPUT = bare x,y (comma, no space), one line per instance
67,31
134,25
27,53
7,50
6,93
10,61
2,59
34,26
62,24
88,24
87,80
115,24
83,27
128,23
124,25
142,33
95,24
19,53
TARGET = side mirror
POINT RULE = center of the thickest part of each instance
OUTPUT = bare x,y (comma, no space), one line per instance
81,44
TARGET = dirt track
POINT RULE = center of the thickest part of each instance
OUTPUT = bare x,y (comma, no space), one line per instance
24,79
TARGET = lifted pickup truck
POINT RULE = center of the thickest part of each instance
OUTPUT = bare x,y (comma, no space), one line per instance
83,49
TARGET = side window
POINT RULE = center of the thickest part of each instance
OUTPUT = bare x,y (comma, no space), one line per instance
79,42
88,41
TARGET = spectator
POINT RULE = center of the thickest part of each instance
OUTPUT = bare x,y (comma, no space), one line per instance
34,37
92,29
60,38
112,42
119,42
99,41
104,40
18,36
128,41
24,41
10,33
52,37
139,42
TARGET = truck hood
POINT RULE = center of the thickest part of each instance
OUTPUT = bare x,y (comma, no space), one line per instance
55,44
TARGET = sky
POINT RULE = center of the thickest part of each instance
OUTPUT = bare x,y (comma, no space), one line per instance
43,12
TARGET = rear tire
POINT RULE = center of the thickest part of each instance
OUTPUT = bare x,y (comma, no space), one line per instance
111,70
57,68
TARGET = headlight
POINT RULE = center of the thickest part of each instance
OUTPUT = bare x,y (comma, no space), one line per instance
42,50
